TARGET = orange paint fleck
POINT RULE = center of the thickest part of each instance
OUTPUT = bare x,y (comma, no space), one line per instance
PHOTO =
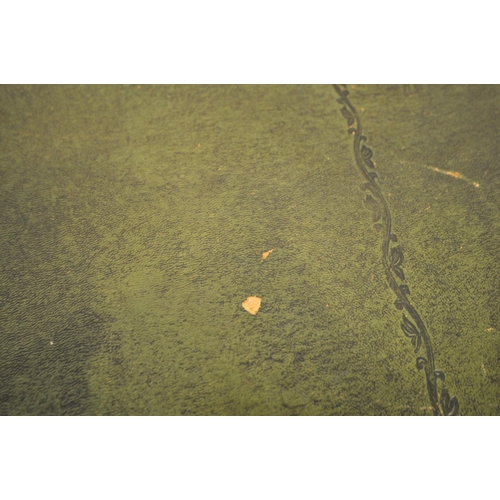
252,304
457,175
265,255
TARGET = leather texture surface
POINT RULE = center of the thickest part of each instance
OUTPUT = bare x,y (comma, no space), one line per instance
134,221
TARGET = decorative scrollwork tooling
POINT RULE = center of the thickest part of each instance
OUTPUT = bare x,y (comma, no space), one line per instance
392,260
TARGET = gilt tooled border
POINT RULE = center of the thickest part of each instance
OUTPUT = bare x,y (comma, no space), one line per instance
392,259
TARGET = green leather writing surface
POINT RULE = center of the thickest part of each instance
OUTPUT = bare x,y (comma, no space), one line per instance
134,220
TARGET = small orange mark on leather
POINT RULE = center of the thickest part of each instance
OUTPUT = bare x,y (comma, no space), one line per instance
265,255
252,304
